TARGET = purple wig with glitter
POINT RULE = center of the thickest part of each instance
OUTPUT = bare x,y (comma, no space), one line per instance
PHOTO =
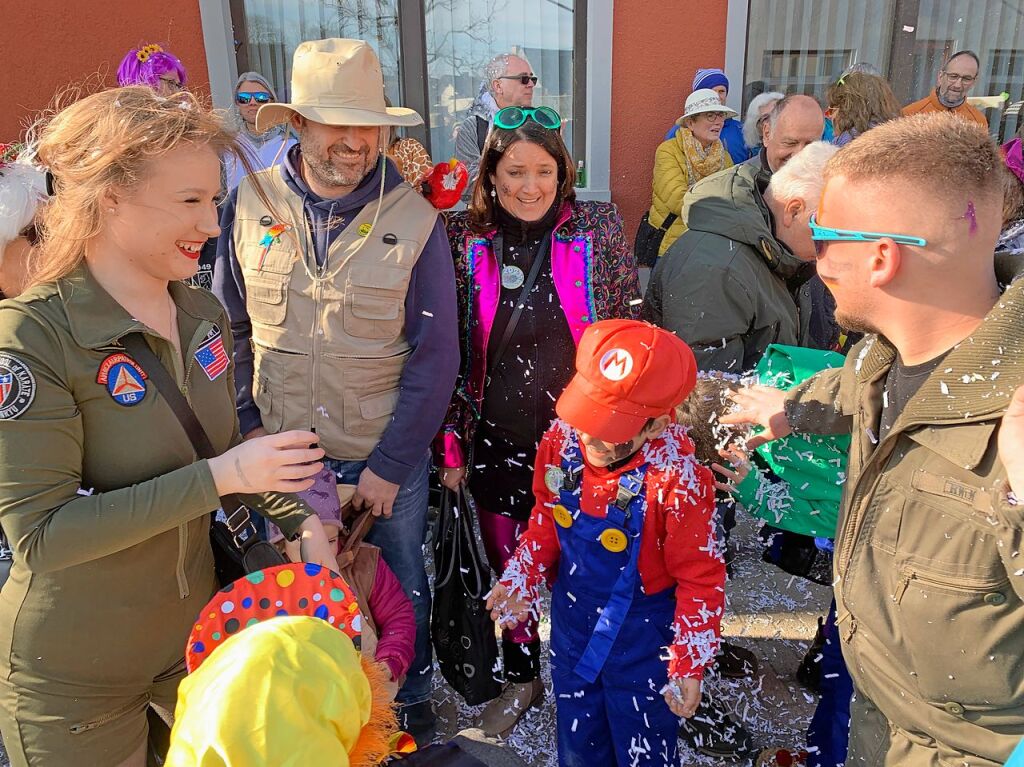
144,66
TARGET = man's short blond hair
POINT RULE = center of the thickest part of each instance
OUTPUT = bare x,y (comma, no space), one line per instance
937,154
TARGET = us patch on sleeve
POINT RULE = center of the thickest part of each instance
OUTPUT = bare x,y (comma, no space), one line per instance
17,387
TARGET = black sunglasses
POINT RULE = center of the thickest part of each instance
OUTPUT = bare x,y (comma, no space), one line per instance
259,98
523,79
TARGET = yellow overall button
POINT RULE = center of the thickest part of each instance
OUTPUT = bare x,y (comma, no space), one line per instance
613,540
562,515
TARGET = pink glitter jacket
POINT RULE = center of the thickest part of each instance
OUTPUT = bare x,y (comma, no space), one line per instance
595,276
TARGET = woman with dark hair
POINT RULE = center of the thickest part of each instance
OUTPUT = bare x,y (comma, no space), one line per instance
534,268
857,102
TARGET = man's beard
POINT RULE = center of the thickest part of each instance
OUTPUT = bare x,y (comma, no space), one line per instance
855,322
328,174
946,102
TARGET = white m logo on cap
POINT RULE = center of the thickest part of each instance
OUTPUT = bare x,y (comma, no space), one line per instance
616,364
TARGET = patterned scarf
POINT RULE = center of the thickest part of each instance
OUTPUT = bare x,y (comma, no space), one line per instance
700,162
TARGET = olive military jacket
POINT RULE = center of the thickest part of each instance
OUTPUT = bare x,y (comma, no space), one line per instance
101,494
928,564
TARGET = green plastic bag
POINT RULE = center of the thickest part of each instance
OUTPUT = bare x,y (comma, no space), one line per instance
812,467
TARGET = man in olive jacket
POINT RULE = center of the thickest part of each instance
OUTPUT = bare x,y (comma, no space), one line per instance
929,576
728,286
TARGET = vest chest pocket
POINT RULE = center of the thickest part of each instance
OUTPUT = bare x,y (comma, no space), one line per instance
266,297
375,301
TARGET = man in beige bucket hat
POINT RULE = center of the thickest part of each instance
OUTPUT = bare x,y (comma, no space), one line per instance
338,280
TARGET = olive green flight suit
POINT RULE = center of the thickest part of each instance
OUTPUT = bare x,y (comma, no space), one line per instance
108,510
928,559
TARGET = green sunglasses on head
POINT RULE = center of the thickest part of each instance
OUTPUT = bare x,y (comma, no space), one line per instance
511,118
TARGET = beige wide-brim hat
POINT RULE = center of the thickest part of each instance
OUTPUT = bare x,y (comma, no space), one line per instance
336,82
704,100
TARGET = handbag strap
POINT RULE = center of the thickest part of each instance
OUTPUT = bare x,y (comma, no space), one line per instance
524,295
669,220
238,521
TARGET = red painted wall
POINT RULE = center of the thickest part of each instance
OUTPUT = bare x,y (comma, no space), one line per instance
658,45
50,44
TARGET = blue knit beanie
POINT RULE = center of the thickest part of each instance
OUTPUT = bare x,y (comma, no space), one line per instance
710,78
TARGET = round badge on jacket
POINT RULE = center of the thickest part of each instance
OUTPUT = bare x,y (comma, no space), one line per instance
292,589
124,378
553,479
512,277
17,387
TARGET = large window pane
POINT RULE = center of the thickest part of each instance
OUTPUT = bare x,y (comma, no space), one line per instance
274,28
993,30
462,35
801,46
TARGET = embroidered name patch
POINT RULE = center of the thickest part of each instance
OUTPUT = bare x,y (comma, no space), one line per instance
17,387
124,379
211,356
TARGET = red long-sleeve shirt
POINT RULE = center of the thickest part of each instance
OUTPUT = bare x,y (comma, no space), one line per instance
678,547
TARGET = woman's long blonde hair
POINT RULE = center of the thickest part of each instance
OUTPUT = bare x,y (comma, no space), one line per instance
106,142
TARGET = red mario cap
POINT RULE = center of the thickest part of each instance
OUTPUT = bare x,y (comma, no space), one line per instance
626,373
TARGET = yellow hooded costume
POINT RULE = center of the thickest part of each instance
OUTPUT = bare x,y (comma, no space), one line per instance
288,692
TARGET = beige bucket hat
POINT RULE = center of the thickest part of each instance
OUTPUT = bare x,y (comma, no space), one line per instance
704,100
336,82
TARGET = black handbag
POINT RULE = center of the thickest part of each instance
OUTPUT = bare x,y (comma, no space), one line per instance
237,546
648,239
460,624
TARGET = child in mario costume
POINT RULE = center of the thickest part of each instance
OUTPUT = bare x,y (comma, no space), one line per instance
622,531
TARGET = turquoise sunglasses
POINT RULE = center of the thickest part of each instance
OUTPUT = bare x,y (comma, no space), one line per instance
823,234
511,118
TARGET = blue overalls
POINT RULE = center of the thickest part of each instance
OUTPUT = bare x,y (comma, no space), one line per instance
608,638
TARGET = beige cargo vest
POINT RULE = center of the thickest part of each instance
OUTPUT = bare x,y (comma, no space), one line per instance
329,343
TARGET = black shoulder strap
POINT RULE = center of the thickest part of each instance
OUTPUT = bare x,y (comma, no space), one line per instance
524,296
669,220
482,129
237,513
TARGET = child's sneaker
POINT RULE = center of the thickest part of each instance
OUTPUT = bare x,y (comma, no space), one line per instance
712,732
501,714
782,757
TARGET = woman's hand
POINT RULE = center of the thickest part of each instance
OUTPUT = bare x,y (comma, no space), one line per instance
452,478
314,546
735,473
508,608
1011,443
283,463
683,696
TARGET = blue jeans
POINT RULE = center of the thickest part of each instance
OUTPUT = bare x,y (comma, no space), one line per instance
401,539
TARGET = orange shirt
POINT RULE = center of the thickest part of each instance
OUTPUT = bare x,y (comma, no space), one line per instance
931,103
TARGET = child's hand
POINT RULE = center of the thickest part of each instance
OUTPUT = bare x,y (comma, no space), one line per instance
391,686
682,696
507,608
313,545
739,468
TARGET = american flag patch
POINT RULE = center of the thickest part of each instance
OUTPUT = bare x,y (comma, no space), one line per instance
211,356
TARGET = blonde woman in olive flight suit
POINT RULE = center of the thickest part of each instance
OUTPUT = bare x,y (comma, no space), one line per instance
101,494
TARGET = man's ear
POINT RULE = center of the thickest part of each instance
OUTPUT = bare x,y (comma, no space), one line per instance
297,121
791,212
884,262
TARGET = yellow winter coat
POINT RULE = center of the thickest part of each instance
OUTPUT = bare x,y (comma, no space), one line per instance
671,183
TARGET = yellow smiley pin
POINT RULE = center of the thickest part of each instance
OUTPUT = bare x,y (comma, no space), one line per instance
613,540
365,229
562,515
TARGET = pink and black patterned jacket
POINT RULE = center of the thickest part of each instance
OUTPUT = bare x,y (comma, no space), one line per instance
595,277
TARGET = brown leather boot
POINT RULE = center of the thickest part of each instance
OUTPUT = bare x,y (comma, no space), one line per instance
501,714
